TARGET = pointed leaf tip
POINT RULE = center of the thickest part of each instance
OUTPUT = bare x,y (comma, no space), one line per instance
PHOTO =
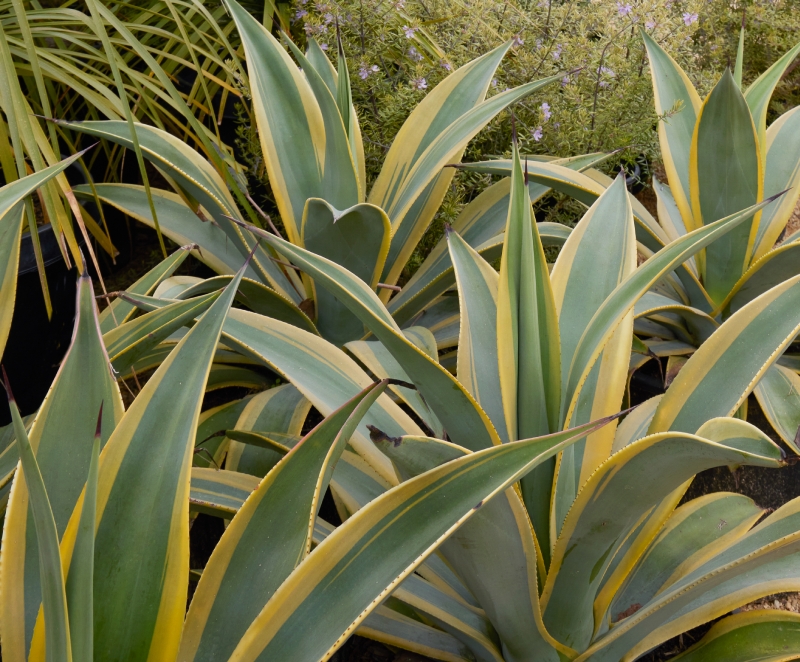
99,429
7,385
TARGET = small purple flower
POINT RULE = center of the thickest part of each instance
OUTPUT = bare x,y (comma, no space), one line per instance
420,83
689,18
328,18
409,32
624,9
494,82
446,65
557,52
301,13
414,54
517,41
546,113
565,81
556,125
650,25
365,70
606,71
324,47
537,134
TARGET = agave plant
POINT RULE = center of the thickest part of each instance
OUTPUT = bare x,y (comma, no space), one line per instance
612,566
720,157
436,553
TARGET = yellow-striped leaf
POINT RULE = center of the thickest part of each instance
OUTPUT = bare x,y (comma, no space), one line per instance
599,254
363,560
762,634
461,416
250,562
720,375
725,176
678,102
617,496
142,540
781,172
61,437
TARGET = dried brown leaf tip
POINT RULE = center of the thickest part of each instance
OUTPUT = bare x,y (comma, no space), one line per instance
377,436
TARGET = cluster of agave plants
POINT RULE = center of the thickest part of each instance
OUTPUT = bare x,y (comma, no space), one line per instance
497,502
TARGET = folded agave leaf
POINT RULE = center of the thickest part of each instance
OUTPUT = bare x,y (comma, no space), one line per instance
61,437
752,635
278,414
250,562
617,496
142,543
352,570
719,376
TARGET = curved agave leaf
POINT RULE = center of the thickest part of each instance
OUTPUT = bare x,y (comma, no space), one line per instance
51,577
700,325
357,237
177,221
61,437
478,348
303,140
624,297
528,351
393,628
446,107
719,376
760,563
118,311
771,636
282,410
251,562
142,546
774,268
494,552
130,341
670,216
461,416
725,175
448,613
481,220
257,297
416,186
198,180
379,361
219,492
678,103
599,254
321,372
778,393
80,588
759,93
694,533
625,486
781,171
351,571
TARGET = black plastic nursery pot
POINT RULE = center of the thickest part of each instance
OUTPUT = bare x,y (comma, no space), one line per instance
37,344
